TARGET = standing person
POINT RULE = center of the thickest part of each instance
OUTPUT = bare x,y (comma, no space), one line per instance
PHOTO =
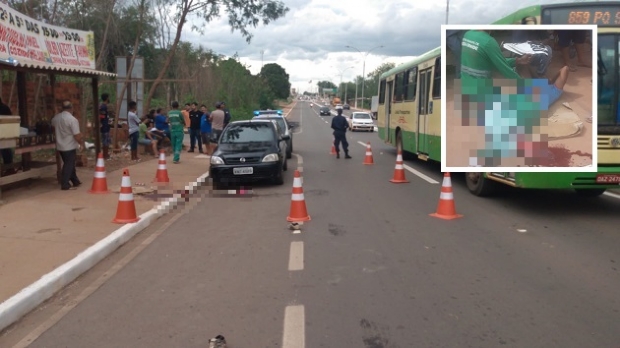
134,129
217,119
104,120
177,132
481,56
145,136
185,113
161,123
7,154
578,38
205,128
227,117
340,126
68,140
194,128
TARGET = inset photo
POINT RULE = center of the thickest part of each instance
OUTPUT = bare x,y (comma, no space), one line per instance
520,98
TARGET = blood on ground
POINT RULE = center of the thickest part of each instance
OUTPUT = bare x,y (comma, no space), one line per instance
560,156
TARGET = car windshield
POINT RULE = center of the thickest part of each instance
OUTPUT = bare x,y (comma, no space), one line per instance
361,116
324,108
247,133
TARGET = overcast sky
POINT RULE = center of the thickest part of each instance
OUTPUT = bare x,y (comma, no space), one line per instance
309,42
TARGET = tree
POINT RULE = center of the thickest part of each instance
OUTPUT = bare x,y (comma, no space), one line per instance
241,15
277,79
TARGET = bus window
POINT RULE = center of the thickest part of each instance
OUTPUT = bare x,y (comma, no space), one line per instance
412,84
382,92
607,76
399,87
437,80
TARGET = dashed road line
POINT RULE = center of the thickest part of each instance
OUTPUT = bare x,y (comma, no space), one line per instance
296,257
611,194
294,335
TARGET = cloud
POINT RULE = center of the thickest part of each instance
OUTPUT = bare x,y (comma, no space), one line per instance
309,41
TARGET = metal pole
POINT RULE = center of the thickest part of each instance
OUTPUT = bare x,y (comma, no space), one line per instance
363,78
447,10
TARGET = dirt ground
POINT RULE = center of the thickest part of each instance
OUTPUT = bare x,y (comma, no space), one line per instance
573,151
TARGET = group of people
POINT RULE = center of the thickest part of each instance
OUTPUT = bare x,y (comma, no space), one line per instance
156,127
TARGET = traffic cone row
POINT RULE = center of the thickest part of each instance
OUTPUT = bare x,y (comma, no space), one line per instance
126,209
446,208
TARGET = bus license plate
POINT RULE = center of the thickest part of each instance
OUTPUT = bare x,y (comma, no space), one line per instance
608,179
243,170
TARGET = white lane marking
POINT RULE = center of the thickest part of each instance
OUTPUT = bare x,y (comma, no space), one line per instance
413,171
294,335
421,175
296,257
611,194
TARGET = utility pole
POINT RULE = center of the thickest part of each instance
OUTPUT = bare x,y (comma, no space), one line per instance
262,52
363,71
447,10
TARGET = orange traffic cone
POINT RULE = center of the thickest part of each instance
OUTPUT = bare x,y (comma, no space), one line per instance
368,159
446,209
162,171
298,210
100,183
333,152
126,209
399,170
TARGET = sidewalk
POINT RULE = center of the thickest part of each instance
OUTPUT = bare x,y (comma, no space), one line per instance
42,230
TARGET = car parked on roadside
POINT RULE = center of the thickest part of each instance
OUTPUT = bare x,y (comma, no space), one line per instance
324,111
346,107
361,121
284,127
249,150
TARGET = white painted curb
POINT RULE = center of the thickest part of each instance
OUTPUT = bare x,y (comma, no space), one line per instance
36,293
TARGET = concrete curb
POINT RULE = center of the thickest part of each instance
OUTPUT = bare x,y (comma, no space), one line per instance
36,293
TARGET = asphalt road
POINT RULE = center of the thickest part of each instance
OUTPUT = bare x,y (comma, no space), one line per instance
371,269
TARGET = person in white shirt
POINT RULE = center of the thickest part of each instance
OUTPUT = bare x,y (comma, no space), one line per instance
68,140
134,129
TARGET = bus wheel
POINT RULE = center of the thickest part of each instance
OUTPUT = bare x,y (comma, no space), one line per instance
590,192
479,185
399,142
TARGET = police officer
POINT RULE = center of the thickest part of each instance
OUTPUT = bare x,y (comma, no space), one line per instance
340,126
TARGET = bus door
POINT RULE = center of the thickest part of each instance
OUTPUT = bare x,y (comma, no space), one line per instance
388,111
424,108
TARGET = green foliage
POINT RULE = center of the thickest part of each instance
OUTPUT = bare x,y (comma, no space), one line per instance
277,79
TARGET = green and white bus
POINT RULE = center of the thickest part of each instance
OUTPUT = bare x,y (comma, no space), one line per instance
409,114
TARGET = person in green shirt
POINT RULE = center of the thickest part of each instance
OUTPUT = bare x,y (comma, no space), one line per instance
177,130
145,137
481,56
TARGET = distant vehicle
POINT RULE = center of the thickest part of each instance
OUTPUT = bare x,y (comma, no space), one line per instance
346,107
324,111
249,150
276,115
361,121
